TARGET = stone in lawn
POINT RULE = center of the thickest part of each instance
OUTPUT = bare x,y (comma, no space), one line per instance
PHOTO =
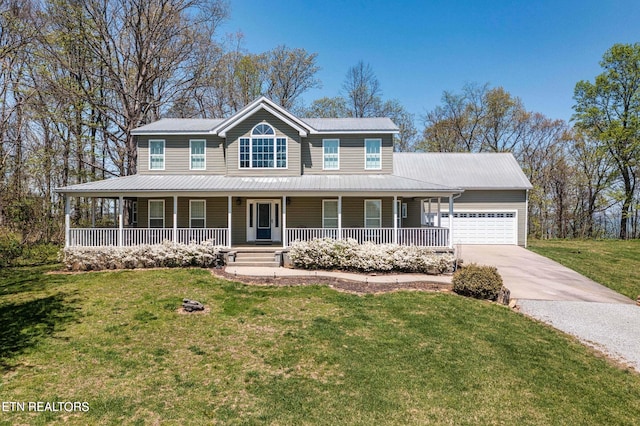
192,305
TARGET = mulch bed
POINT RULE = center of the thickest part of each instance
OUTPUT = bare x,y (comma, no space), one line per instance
357,287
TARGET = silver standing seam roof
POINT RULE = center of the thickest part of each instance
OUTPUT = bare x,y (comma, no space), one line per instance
413,172
228,184
463,170
316,125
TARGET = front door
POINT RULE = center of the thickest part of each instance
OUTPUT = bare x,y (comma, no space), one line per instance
263,231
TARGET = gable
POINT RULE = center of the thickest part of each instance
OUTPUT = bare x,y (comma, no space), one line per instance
263,105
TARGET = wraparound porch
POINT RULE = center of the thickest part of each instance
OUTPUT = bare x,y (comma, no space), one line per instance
255,218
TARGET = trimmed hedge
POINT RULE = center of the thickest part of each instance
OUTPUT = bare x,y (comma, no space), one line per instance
327,253
166,254
477,281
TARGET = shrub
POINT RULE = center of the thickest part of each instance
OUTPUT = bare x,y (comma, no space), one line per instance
348,255
10,247
478,281
166,254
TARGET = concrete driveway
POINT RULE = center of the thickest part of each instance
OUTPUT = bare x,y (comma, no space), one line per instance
531,276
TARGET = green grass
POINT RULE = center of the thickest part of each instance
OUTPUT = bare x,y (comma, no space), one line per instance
613,263
288,355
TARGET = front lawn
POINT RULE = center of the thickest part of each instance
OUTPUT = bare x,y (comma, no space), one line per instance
288,355
613,263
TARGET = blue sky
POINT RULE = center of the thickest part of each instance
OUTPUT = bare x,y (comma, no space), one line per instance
536,50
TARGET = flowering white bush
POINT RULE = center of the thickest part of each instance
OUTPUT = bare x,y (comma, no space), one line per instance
166,254
347,254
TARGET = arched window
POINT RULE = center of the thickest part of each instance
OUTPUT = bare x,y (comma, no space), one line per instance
262,129
263,150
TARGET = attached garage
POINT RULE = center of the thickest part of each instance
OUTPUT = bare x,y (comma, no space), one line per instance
492,206
483,227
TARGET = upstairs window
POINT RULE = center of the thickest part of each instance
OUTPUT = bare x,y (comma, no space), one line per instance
331,154
262,150
156,155
373,154
197,159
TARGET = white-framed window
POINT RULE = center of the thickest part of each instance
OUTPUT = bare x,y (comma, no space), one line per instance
373,154
197,213
197,158
404,210
156,213
156,154
329,213
262,150
331,154
372,213
134,212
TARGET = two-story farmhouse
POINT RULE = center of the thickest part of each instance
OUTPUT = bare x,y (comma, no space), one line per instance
266,176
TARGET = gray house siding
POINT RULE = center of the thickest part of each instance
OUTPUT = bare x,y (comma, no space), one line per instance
502,200
306,212
282,129
351,154
177,154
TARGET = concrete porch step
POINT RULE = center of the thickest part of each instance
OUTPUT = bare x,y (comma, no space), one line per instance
265,258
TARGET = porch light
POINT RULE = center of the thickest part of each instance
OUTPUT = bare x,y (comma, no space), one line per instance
238,201
288,201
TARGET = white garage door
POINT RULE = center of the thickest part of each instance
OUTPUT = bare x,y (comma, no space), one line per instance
483,227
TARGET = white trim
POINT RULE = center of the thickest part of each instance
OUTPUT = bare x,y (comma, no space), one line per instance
269,106
275,137
191,214
483,210
379,140
120,219
276,231
164,153
149,201
204,154
365,212
333,200
404,208
324,153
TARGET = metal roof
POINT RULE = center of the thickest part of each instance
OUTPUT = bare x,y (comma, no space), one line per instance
227,184
373,124
462,170
179,125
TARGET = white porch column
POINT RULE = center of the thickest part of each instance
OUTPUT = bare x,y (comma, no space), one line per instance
120,220
175,219
284,221
229,206
451,221
339,217
439,218
67,220
395,219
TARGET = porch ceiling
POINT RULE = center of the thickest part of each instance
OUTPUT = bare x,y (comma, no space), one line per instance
308,185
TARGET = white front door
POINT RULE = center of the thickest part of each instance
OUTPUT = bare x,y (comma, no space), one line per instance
264,220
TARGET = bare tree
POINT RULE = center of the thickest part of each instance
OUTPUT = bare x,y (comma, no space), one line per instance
290,73
362,90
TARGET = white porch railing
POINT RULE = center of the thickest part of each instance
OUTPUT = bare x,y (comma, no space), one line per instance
374,235
307,234
96,237
427,237
218,236
93,237
140,236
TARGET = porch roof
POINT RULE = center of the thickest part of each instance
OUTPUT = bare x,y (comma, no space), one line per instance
277,184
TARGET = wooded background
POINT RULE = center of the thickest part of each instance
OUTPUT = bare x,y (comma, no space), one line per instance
77,76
